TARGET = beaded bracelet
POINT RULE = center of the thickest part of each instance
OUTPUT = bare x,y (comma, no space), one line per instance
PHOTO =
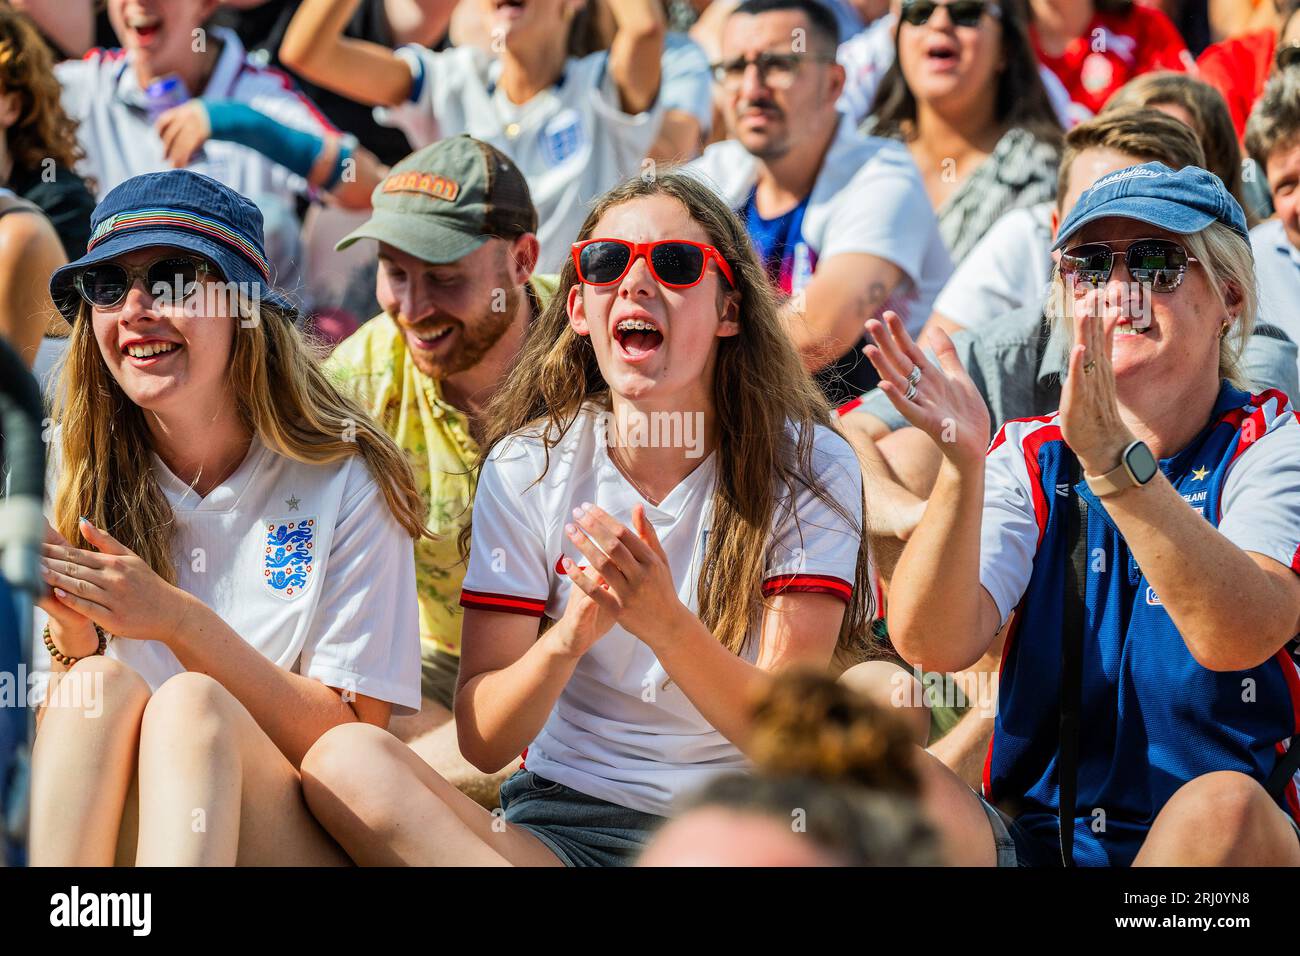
64,659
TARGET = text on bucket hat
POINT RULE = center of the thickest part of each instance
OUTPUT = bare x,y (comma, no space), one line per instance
179,209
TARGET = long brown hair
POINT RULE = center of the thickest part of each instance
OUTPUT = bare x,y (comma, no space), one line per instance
760,390
43,130
281,395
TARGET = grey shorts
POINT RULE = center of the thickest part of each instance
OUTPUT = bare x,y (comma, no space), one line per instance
581,830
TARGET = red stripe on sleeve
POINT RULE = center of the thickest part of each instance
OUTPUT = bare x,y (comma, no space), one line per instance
484,601
808,584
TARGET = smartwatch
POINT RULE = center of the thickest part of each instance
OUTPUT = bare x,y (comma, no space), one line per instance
1136,466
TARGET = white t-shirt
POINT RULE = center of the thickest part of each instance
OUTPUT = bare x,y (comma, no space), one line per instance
306,563
103,94
1009,268
1277,271
868,198
572,141
621,729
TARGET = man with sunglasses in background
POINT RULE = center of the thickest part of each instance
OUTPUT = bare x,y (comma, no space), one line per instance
457,244
840,219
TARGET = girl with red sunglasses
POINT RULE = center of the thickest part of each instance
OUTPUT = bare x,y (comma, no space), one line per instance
629,590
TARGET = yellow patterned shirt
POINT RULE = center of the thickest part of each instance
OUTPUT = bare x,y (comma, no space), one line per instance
375,369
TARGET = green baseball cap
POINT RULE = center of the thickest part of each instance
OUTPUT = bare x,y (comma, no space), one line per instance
444,201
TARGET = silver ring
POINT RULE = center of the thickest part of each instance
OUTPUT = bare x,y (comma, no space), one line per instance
911,390
914,376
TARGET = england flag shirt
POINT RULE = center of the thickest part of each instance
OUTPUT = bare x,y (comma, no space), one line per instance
1152,717
621,729
306,563
572,141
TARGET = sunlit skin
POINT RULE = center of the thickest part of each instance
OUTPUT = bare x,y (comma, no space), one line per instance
676,375
1181,343
452,314
948,66
192,375
1283,172
714,836
767,121
160,36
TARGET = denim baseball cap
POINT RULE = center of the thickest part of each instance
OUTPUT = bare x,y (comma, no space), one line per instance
1184,202
442,202
179,209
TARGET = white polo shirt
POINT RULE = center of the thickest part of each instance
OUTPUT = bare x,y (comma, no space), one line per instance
1009,268
1277,271
572,141
103,94
306,563
868,198
622,730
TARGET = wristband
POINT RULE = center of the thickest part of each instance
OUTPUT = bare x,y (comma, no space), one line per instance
64,659
237,122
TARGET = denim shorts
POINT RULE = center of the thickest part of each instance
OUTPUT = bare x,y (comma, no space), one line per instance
579,829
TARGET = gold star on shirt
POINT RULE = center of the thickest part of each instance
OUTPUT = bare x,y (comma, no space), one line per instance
1200,473
292,502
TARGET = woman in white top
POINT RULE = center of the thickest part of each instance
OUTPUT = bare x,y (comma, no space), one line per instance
574,125
664,516
230,554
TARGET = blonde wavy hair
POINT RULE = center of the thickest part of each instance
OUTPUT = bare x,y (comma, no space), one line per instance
760,388
1229,266
106,471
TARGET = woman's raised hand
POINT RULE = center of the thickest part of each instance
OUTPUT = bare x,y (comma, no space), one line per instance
941,400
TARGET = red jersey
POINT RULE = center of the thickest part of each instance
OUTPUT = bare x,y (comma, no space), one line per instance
1113,49
1239,68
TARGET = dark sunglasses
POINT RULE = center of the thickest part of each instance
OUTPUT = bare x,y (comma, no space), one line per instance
173,277
963,13
1159,264
1287,56
676,263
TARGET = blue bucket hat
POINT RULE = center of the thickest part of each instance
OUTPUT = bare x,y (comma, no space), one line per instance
1184,202
180,209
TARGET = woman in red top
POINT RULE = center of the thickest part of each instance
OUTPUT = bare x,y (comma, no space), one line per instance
1096,46
1239,67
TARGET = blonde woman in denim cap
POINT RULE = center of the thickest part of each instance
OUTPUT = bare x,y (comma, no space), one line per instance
1146,538
230,557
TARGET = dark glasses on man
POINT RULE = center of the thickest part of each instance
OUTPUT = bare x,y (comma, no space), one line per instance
676,263
1159,264
1287,55
963,13
172,277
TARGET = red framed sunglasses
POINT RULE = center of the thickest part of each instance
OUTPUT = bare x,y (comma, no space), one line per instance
675,263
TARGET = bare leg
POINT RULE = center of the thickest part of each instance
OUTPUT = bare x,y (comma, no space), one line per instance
1220,819
955,811
387,807
432,734
83,762
215,790
895,690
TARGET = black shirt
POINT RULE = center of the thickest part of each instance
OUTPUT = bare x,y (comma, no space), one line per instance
64,199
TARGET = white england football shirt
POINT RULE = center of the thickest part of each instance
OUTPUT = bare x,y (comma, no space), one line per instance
621,729
307,564
104,95
572,141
